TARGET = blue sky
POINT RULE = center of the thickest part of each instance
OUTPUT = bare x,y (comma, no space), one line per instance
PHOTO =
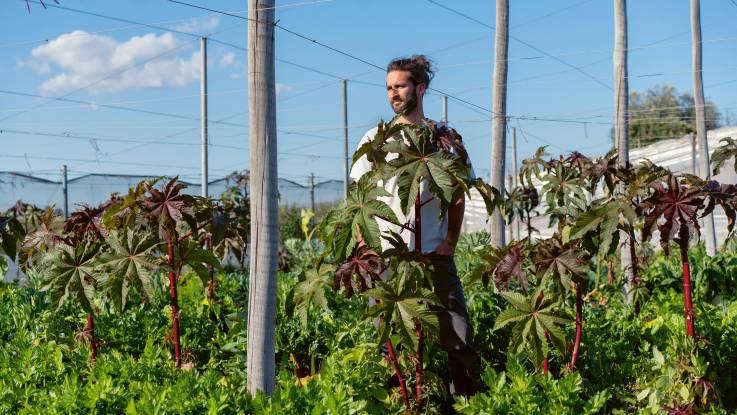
94,60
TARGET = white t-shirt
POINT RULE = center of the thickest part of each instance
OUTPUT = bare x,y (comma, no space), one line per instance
434,229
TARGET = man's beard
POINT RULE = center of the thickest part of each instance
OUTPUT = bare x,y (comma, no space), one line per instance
406,107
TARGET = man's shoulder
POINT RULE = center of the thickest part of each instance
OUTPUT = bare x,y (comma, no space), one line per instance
371,132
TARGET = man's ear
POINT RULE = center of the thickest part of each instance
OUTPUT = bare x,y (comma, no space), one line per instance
421,88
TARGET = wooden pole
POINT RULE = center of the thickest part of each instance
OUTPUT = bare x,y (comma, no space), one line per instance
621,126
260,356
346,166
701,136
515,178
203,108
65,190
445,109
499,112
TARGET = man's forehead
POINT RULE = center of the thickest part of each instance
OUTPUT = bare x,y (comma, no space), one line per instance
395,77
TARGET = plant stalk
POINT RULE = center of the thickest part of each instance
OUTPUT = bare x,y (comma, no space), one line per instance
398,371
688,305
93,339
635,272
579,325
174,301
419,370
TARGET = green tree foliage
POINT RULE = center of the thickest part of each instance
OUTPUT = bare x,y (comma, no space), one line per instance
662,113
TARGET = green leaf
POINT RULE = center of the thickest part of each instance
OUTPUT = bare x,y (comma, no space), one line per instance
130,261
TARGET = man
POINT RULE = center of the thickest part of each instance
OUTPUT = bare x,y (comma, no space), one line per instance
407,80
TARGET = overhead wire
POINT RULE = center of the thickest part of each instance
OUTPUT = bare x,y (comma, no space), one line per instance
535,48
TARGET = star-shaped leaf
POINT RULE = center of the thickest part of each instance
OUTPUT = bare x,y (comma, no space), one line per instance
536,320
400,309
672,208
312,291
69,272
129,263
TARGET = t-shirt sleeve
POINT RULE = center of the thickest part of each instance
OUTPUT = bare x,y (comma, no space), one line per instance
362,165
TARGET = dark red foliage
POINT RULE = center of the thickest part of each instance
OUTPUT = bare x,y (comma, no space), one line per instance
87,220
672,209
169,206
365,264
510,266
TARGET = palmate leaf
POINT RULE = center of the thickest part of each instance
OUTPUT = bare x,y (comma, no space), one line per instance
724,195
559,261
46,234
169,206
86,221
124,211
502,263
312,291
69,272
672,208
723,153
400,309
358,272
129,263
537,319
532,167
374,148
420,161
356,219
188,253
600,224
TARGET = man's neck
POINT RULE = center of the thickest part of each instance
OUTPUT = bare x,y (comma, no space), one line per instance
416,117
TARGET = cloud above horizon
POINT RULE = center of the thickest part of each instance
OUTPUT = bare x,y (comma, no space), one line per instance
132,64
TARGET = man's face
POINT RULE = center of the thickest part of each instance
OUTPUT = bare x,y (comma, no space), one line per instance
401,92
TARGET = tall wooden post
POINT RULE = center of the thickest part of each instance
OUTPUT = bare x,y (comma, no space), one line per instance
203,108
698,95
444,101
499,115
65,190
515,178
260,357
346,161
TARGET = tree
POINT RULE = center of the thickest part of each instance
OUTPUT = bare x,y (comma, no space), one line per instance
261,364
662,113
499,114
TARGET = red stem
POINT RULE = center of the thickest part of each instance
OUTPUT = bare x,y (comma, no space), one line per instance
419,371
93,340
688,305
635,272
406,227
174,301
402,383
545,366
211,286
579,326
188,234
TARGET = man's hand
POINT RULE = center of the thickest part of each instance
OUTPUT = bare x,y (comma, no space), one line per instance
446,248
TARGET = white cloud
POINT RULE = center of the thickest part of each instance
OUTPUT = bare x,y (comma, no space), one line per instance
85,59
227,60
42,68
199,25
238,75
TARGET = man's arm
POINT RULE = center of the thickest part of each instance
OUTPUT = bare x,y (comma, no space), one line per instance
455,221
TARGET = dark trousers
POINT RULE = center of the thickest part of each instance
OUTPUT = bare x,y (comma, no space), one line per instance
456,331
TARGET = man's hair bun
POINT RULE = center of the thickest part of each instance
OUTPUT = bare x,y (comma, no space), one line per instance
419,66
